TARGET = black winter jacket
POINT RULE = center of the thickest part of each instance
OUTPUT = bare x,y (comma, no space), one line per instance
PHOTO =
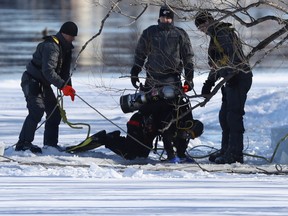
225,53
166,49
51,61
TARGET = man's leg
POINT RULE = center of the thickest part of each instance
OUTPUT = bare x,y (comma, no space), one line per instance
53,118
35,105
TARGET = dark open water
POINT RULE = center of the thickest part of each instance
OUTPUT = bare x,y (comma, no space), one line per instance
22,23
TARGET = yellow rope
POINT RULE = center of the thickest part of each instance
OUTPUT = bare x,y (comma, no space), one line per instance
65,120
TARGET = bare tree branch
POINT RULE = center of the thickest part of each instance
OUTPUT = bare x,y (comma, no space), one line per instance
98,33
241,11
269,51
267,41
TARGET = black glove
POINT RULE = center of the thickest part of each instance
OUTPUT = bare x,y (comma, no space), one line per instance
134,80
134,75
188,86
207,86
189,74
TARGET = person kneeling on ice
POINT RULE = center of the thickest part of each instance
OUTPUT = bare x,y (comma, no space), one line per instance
139,140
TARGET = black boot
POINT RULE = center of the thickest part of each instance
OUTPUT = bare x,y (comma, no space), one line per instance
24,145
59,148
224,147
234,152
99,137
229,158
214,155
114,134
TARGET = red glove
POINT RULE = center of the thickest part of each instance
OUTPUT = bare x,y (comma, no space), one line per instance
69,91
188,86
185,88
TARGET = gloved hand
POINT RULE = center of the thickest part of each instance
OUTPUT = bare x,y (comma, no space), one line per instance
134,80
188,86
69,91
207,86
134,75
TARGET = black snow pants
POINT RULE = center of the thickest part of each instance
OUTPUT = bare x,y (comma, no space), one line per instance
231,114
40,99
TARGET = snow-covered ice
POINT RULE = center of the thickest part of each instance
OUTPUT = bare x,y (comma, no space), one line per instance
100,183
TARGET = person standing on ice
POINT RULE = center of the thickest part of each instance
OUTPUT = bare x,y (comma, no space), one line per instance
50,65
225,57
165,50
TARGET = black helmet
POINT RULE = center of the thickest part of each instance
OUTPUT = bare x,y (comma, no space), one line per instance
203,16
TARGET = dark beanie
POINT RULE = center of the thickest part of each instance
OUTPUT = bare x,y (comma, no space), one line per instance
165,11
69,28
203,16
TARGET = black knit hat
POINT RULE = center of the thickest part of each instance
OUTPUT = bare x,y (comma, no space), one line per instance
69,28
203,16
165,11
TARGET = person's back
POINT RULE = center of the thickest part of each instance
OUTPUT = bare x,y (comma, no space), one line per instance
55,52
226,53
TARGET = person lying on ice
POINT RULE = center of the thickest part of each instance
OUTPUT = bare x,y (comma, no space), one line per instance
139,139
